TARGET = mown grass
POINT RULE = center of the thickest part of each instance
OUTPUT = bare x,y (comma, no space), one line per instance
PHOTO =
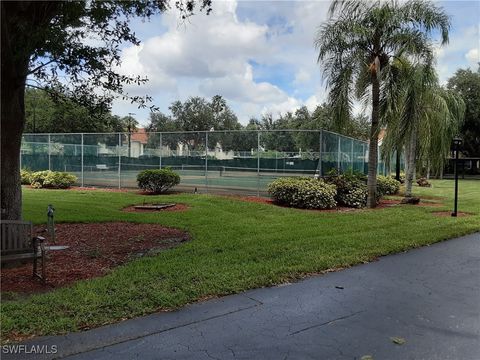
236,246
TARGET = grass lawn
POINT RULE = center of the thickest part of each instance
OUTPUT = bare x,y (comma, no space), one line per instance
236,246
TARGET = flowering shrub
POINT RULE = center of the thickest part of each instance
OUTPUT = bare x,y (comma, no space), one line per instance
157,181
387,186
303,193
26,176
351,191
52,179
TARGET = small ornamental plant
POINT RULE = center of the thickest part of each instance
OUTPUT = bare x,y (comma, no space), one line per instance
305,193
157,181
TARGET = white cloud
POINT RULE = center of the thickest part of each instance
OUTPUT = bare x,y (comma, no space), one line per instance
259,55
473,56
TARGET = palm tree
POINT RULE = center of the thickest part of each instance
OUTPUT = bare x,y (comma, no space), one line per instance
425,120
357,46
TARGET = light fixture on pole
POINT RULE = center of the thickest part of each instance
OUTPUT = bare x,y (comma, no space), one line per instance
457,143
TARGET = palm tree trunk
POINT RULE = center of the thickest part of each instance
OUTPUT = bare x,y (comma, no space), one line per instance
373,147
410,155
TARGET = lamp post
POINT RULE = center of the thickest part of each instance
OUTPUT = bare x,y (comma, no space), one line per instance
457,142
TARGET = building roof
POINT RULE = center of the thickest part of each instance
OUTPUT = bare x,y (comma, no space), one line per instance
140,135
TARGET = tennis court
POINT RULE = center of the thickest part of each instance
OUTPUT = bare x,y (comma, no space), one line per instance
226,161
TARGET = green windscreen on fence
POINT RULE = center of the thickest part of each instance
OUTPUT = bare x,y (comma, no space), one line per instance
226,161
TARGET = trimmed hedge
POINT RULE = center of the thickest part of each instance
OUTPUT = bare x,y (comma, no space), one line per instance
351,190
387,186
52,179
303,193
157,181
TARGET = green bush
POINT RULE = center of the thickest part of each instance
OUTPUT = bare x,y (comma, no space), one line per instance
52,179
26,176
387,186
402,177
157,181
351,190
303,193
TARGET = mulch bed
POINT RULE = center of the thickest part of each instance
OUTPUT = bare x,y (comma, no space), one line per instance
94,250
177,207
384,203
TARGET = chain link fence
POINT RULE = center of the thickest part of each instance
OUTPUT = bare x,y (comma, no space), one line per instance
217,161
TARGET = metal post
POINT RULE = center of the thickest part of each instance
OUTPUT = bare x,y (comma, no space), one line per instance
258,163
119,161
161,146
206,161
320,172
81,157
363,157
338,153
351,158
49,154
20,157
454,214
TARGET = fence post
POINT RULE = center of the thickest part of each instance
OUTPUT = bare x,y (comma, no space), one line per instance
20,157
161,150
351,157
258,163
49,154
320,165
206,161
364,157
119,160
338,153
81,157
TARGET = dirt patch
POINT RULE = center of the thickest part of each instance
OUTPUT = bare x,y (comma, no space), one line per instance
93,250
177,207
449,213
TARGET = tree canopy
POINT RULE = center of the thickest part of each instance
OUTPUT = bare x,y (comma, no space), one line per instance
64,47
467,83
357,47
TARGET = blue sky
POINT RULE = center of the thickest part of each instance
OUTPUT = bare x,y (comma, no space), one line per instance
259,55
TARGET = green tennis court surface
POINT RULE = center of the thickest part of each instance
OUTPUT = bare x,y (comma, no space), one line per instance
191,176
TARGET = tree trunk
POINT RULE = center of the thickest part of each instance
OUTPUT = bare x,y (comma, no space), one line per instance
397,164
410,166
373,147
14,70
21,20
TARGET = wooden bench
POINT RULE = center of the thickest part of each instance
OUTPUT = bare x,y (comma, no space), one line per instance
18,244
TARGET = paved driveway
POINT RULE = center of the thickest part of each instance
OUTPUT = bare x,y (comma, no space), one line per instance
427,300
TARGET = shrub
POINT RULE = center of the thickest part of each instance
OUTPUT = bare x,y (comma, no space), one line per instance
402,177
157,181
423,182
52,179
351,191
387,186
26,176
303,193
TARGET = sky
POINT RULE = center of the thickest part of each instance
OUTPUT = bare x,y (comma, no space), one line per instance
258,55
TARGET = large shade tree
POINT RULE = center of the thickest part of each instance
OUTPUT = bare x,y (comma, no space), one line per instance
357,47
467,83
71,46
